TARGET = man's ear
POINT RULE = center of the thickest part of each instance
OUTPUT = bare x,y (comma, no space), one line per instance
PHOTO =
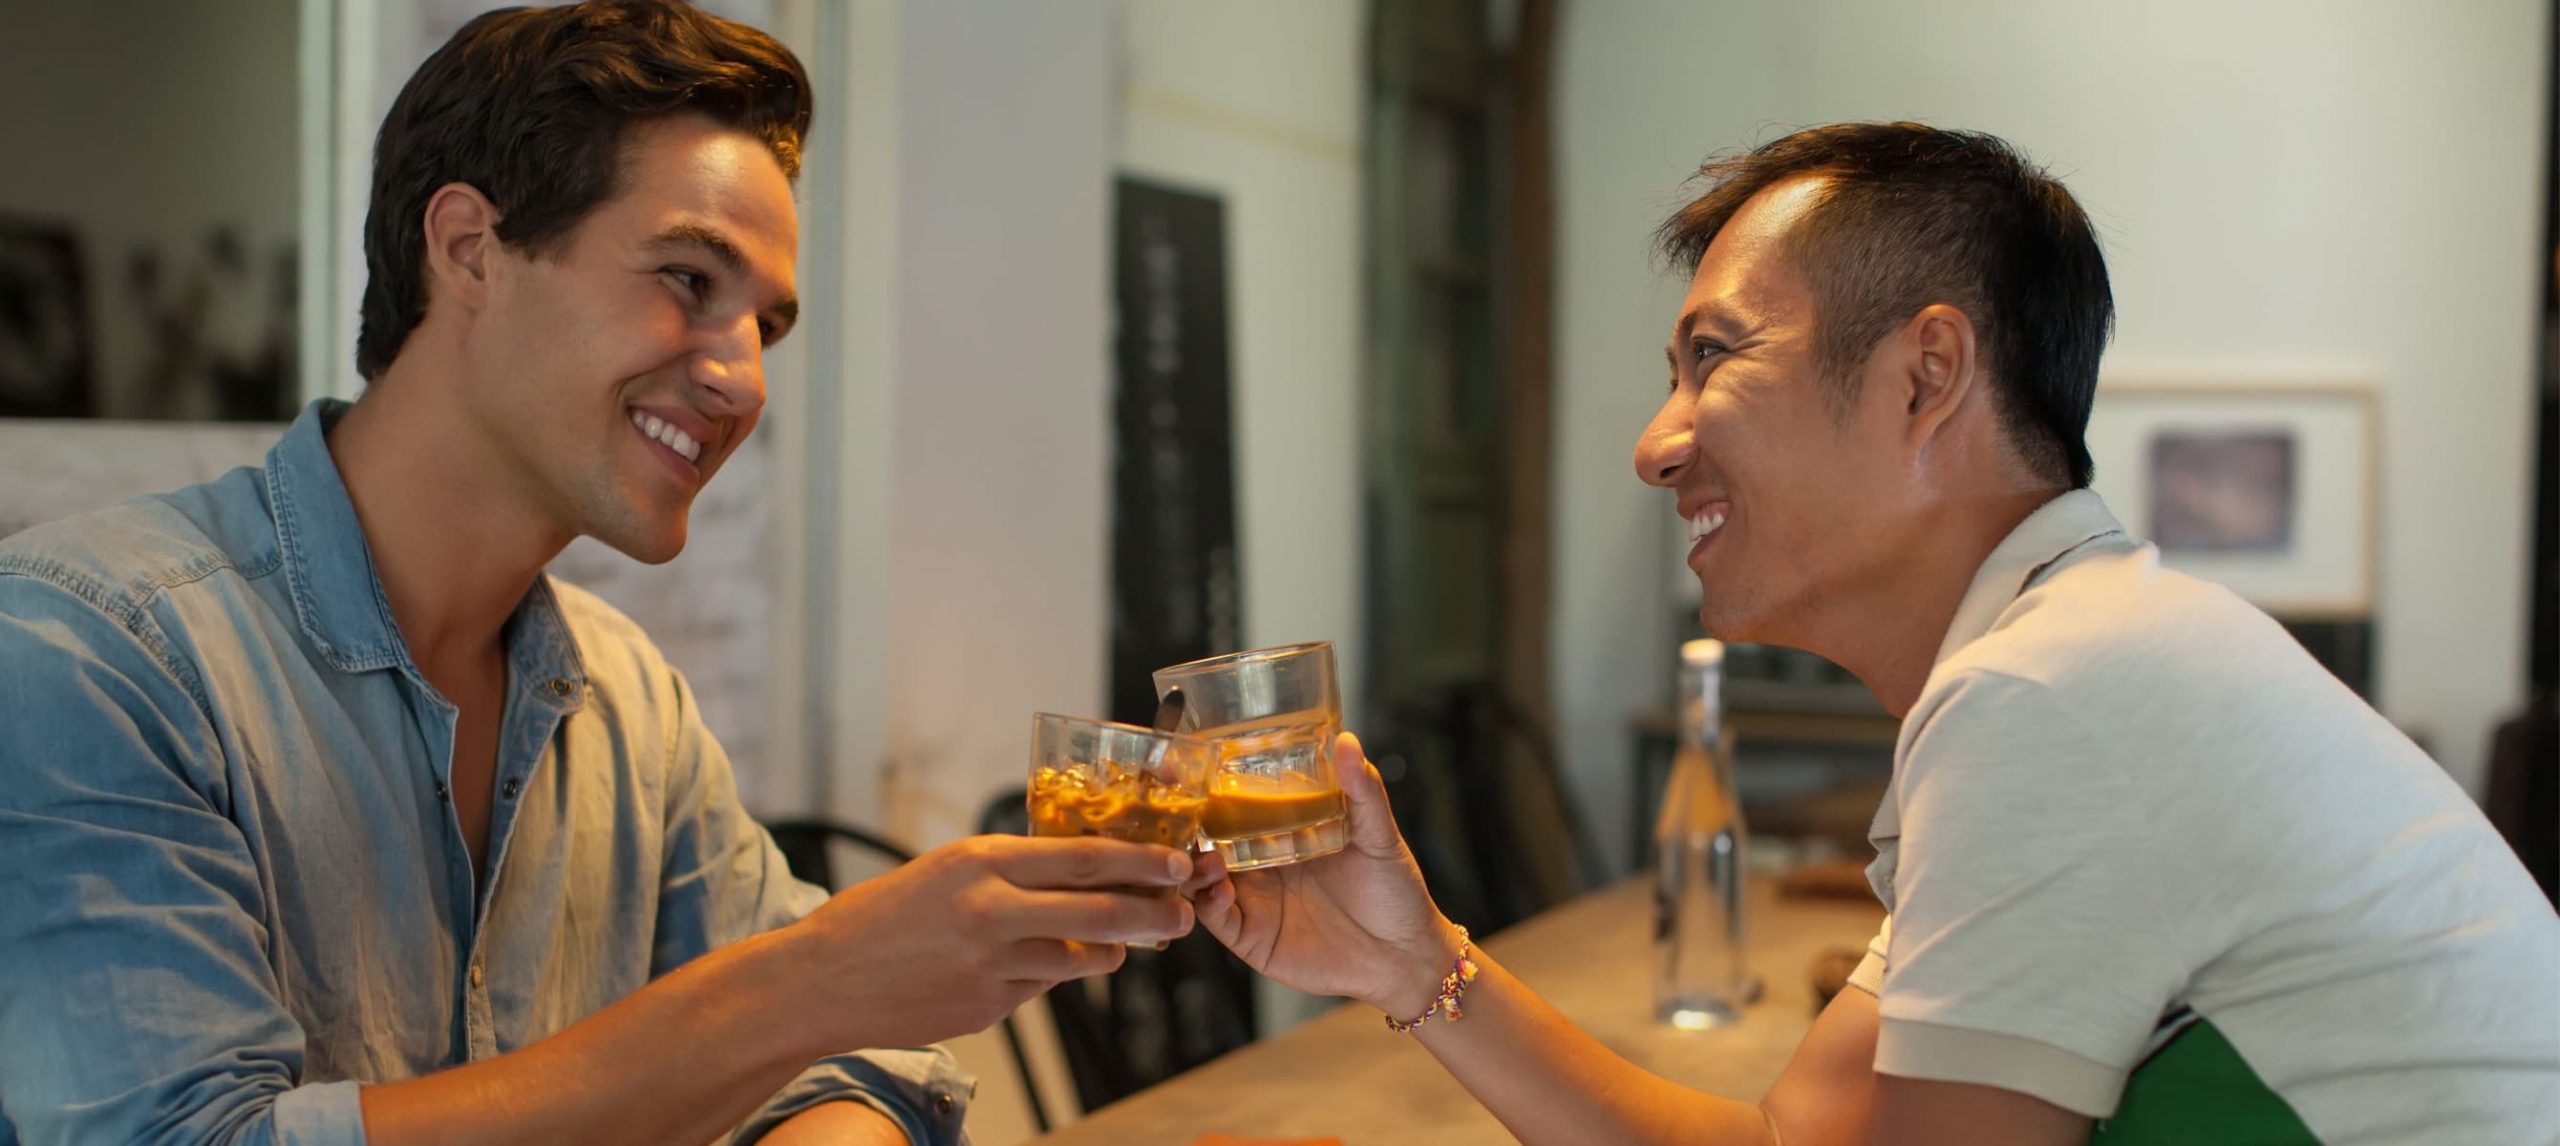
1942,369
461,243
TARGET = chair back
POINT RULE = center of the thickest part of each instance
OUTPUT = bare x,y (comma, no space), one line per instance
808,849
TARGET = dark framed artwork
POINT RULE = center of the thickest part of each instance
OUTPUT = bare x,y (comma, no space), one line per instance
2223,491
1174,590
45,362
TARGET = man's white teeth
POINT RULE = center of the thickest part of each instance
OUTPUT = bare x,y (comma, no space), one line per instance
1705,522
675,439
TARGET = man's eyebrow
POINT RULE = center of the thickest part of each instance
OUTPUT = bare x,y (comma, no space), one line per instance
704,238
785,311
1709,319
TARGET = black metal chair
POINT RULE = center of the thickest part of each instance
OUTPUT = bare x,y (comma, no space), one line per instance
1478,792
805,847
1162,1013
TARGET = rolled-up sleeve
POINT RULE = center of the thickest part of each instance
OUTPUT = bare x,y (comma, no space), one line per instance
725,880
923,1091
136,999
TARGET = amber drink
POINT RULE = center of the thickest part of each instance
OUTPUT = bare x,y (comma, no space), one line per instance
1097,778
1272,715
1120,802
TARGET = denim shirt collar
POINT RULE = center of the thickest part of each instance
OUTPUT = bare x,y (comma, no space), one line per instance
337,593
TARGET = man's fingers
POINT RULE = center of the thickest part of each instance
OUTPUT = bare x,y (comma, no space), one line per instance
1083,862
1373,823
1101,916
1207,868
1056,961
1217,908
1086,960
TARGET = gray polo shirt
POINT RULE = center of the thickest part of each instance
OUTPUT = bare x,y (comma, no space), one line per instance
2146,860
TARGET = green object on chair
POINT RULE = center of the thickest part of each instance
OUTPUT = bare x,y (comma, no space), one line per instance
2198,1091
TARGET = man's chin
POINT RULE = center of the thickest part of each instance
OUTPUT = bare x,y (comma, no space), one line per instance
648,545
1728,624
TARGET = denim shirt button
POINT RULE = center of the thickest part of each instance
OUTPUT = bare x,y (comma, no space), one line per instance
943,1105
511,787
559,688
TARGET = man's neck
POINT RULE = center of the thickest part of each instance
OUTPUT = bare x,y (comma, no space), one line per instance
453,534
1888,633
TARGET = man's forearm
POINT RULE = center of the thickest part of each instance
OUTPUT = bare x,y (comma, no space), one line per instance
844,1123
681,1060
1550,1082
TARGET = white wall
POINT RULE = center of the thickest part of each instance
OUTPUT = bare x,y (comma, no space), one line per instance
1643,90
970,513
2283,187
1261,104
964,517
971,438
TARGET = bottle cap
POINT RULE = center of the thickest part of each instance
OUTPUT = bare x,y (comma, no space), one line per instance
1705,653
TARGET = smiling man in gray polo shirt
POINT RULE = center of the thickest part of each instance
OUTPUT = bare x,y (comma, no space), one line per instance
2154,876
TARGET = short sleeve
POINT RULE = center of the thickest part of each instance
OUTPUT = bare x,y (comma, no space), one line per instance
1869,976
2032,944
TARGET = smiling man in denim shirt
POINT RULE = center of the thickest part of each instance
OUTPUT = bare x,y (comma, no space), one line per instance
326,817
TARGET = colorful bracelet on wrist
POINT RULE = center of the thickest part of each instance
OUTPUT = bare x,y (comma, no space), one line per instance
1453,987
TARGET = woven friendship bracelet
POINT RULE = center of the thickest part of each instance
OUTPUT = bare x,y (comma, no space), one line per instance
1453,987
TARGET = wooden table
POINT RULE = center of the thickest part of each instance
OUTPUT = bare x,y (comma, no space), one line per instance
1345,1075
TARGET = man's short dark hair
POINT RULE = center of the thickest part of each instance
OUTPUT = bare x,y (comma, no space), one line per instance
1912,215
533,107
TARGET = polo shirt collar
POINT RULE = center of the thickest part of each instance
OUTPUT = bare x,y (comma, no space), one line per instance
2051,533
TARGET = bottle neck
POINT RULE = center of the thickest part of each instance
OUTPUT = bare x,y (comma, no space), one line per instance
1701,706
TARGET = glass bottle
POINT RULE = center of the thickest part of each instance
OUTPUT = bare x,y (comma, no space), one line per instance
1701,975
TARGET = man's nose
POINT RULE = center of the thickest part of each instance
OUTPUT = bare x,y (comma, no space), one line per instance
1667,446
730,370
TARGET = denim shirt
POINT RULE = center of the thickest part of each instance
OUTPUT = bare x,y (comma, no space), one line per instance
233,887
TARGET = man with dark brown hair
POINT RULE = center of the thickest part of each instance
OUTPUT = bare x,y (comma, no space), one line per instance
325,816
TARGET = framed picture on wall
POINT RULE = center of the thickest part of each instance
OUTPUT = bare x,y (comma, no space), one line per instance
2268,488
44,323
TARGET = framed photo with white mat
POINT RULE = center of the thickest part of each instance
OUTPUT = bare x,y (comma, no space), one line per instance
2268,487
